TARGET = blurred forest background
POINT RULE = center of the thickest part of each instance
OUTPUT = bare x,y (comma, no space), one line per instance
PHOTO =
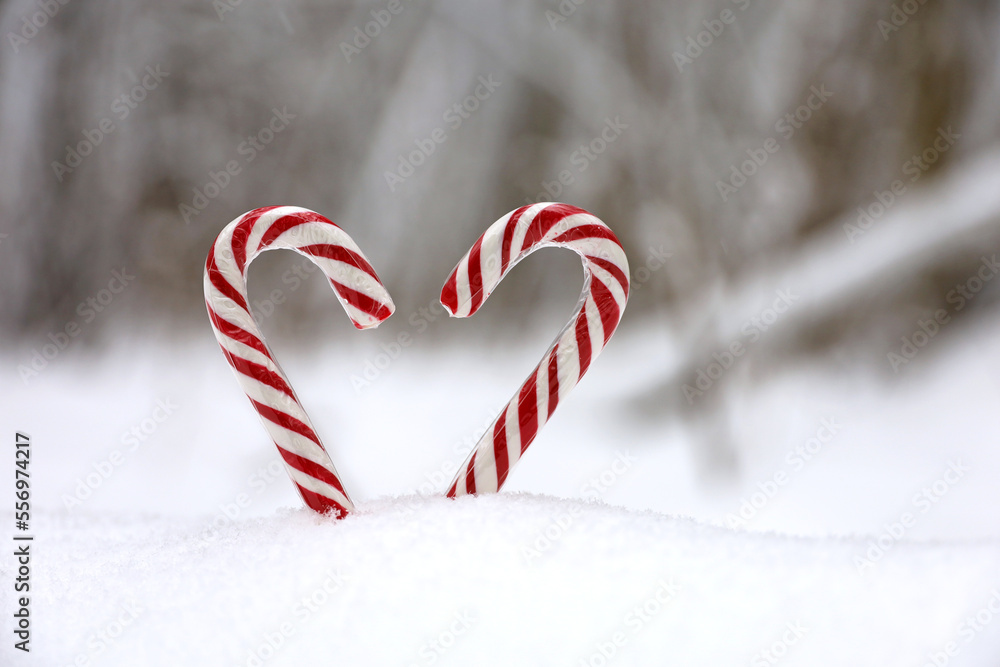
841,98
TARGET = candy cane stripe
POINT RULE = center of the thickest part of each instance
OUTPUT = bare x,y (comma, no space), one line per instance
527,410
340,254
615,271
500,451
608,309
236,333
470,479
359,291
270,388
583,233
319,502
258,372
543,221
220,283
290,221
512,426
300,445
241,234
583,342
249,353
553,377
542,393
476,275
602,302
508,238
315,486
518,234
610,283
449,293
364,303
312,469
286,421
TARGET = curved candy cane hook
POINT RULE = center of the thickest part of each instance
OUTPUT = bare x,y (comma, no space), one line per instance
605,293
358,289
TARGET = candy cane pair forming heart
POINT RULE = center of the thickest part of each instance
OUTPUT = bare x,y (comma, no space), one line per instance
505,243
357,287
605,293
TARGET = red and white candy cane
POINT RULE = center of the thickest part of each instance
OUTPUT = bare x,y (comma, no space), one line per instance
605,293
357,287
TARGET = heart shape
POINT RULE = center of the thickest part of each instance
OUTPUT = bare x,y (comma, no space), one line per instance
506,242
358,289
602,302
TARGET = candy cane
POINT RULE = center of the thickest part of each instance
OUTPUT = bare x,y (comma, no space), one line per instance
605,293
358,289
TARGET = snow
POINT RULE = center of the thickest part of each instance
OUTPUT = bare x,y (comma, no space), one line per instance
199,528
501,580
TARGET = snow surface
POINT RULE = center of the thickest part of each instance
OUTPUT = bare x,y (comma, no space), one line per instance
416,581
411,567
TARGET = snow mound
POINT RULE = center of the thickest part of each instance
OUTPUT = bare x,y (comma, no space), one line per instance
507,579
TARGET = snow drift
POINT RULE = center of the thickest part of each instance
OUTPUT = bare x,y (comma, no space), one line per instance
495,580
